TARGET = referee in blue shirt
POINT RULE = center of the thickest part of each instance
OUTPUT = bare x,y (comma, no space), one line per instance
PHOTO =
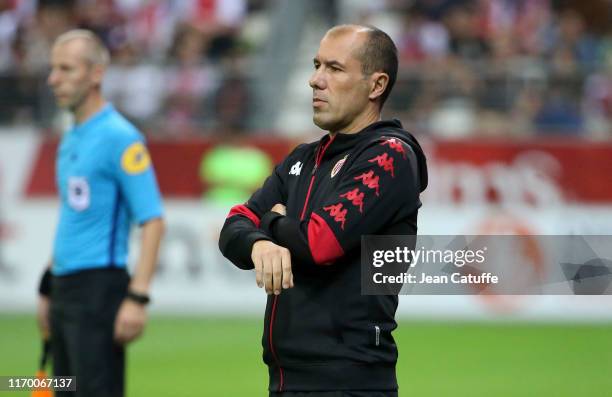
89,306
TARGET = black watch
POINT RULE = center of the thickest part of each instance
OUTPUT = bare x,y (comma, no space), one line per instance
142,299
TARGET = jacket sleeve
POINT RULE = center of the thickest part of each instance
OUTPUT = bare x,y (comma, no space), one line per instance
381,185
241,228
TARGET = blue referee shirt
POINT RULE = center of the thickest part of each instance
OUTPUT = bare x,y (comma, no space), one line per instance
106,182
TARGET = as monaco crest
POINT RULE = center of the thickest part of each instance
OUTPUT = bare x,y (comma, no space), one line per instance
338,165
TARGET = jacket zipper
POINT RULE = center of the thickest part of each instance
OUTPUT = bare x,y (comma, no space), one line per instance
318,159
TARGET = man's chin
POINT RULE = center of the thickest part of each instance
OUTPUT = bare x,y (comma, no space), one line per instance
62,104
67,106
320,121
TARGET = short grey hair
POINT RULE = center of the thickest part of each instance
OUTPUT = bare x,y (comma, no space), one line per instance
97,53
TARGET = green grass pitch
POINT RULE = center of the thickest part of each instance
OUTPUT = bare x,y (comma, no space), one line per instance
199,356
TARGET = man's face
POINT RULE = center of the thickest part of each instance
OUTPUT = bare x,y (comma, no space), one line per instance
339,89
72,77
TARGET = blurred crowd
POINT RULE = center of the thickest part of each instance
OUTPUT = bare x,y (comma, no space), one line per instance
504,67
467,67
178,67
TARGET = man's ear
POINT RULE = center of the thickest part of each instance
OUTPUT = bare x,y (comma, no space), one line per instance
98,74
378,84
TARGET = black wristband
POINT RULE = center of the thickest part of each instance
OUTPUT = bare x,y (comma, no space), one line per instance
142,299
44,288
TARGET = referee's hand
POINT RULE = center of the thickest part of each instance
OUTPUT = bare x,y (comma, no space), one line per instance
130,321
43,316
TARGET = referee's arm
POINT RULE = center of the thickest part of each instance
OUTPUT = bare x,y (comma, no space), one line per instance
152,232
138,186
132,315
44,291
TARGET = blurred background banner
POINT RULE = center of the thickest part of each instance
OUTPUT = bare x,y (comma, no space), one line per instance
512,101
492,187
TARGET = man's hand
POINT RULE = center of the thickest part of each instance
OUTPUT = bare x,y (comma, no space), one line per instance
279,208
272,266
43,316
130,321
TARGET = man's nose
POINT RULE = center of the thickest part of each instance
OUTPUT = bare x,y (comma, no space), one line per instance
317,80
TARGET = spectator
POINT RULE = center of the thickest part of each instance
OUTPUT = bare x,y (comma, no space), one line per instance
190,81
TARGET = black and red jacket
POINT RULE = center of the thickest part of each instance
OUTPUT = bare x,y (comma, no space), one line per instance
323,334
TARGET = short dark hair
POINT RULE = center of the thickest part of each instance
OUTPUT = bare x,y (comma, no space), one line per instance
379,54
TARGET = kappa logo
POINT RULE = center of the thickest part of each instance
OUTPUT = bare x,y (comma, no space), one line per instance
338,213
296,168
396,145
370,180
385,162
356,197
338,165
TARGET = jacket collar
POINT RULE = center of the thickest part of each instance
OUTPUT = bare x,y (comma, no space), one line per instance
344,142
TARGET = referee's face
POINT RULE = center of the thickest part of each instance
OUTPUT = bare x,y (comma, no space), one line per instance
339,89
71,77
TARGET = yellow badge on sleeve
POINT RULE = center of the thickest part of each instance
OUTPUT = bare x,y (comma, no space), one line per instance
135,159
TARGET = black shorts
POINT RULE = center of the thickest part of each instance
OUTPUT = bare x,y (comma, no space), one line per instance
335,394
83,311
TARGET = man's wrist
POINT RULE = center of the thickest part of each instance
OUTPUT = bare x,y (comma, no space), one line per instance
138,297
254,237
139,284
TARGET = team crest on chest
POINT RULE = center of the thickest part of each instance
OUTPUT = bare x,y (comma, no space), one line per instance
338,165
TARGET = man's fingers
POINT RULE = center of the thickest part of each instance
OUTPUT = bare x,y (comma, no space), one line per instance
119,330
131,332
258,271
279,208
277,273
121,325
130,322
124,335
267,275
126,331
287,273
272,265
